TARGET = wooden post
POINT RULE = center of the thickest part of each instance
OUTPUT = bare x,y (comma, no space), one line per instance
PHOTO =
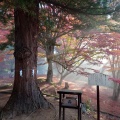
63,109
98,103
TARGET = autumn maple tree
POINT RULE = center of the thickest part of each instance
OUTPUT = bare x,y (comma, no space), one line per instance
54,23
109,46
108,43
75,49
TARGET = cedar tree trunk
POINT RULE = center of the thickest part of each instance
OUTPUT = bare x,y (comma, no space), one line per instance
26,96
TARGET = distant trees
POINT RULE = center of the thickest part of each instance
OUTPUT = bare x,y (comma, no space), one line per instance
113,56
109,45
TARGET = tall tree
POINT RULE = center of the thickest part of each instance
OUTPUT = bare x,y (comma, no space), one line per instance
54,22
26,96
109,45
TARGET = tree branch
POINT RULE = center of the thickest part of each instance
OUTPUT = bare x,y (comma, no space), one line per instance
84,10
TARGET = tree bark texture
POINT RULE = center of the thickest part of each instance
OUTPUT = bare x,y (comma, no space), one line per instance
26,95
49,54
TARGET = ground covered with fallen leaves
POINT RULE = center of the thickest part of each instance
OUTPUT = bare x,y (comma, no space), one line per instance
49,114
50,93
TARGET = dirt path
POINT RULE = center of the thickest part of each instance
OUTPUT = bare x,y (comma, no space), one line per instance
107,105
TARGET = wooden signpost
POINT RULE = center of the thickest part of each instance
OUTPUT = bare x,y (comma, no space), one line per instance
98,79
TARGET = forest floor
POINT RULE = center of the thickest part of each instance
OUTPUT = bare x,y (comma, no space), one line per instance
110,110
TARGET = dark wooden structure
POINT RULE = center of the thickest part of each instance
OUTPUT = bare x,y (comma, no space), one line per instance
62,95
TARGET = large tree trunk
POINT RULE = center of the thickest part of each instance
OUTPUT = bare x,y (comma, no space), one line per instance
49,54
26,96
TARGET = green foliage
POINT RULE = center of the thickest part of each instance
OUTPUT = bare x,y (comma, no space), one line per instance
94,7
24,4
82,6
49,24
3,46
88,22
9,5
5,12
